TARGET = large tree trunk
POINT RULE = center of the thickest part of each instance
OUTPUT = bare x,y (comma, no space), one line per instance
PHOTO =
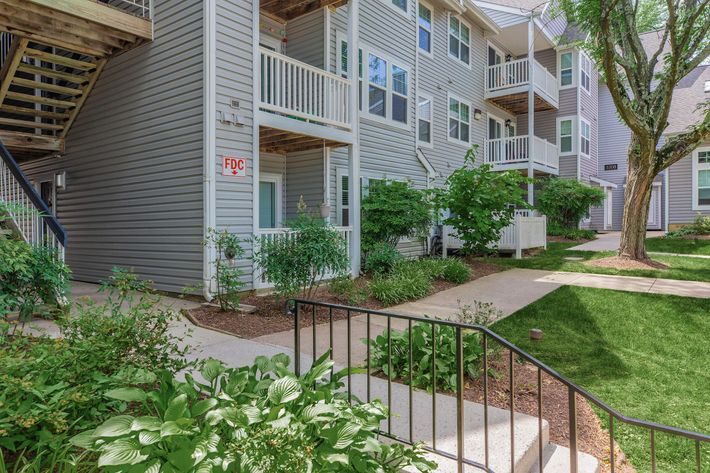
637,198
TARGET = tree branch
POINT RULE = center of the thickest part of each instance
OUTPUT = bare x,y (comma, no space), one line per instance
679,146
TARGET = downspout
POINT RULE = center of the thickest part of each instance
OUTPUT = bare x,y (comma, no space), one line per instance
210,147
531,107
354,152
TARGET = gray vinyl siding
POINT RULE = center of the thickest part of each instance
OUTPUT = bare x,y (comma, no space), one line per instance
234,81
306,38
588,109
304,177
681,192
134,160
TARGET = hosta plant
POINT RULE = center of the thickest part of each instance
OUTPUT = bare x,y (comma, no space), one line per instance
254,419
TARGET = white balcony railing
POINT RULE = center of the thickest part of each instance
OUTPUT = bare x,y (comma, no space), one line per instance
261,279
141,8
515,149
517,73
299,90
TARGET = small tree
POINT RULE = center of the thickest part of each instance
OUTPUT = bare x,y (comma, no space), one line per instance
566,201
227,275
296,265
394,210
481,202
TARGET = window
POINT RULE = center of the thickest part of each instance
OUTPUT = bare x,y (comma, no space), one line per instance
343,64
459,40
459,120
367,181
701,179
565,134
270,186
585,71
400,4
399,94
566,68
377,85
425,116
584,137
425,28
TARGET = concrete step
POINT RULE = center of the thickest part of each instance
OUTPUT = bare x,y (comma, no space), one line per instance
556,460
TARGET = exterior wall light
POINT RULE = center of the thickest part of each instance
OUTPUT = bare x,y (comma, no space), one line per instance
477,114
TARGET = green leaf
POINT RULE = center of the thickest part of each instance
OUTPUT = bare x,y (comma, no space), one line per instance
146,423
204,446
126,394
203,406
148,438
126,451
115,427
318,412
176,408
212,369
171,428
284,390
341,437
84,440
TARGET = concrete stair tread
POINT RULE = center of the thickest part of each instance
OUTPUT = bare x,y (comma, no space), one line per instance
556,460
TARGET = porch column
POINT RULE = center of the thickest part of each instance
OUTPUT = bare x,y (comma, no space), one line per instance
354,149
531,106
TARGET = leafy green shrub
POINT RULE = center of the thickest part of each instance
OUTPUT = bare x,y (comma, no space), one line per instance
478,313
456,271
700,226
393,210
566,201
407,282
571,233
251,419
296,265
30,276
347,289
422,344
382,258
227,277
480,202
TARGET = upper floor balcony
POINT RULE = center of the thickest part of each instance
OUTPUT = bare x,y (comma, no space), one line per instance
515,152
508,84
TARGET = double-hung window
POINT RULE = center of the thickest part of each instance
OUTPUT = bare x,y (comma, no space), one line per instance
566,69
459,120
585,72
400,4
425,118
343,64
565,135
701,179
459,40
584,137
425,28
377,85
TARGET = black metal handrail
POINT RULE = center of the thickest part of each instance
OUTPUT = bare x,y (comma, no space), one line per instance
46,215
572,389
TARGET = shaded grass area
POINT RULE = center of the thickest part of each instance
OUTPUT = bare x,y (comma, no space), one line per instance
646,355
679,245
684,268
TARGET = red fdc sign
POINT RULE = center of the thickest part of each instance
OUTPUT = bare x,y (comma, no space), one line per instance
235,167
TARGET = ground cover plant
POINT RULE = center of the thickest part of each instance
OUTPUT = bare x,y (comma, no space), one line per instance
261,418
645,355
555,259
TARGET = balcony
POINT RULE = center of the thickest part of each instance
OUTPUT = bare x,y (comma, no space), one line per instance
310,107
507,85
514,153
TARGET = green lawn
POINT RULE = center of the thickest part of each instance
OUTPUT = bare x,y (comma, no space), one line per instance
678,245
690,269
646,355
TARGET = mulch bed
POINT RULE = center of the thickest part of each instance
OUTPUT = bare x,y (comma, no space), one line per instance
617,262
270,315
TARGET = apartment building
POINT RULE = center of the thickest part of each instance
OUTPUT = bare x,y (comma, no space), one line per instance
141,124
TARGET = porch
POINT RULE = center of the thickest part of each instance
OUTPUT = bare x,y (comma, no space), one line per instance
515,152
508,85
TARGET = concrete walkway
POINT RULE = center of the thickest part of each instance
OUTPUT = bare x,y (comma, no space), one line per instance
609,241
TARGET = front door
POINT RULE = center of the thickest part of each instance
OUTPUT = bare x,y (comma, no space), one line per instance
608,209
495,146
654,209
269,201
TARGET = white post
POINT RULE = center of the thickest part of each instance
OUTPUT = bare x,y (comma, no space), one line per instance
354,149
531,107
518,239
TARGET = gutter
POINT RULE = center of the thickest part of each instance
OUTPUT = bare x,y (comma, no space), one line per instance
210,143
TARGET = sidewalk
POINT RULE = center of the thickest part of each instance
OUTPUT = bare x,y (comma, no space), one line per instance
609,241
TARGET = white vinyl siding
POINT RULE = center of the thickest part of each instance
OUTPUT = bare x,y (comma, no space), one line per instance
459,120
584,137
425,27
425,118
459,40
701,179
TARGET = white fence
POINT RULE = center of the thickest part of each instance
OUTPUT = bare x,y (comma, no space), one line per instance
297,89
516,73
528,230
285,234
515,149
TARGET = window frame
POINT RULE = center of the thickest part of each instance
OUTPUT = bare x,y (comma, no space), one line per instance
449,97
582,122
340,40
430,30
696,168
430,98
573,122
584,60
573,56
277,180
448,39
405,12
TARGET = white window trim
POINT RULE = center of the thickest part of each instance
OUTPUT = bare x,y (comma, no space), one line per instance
430,98
277,179
389,90
579,135
448,116
365,176
697,167
582,59
498,120
431,30
573,119
497,49
394,7
448,39
575,62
